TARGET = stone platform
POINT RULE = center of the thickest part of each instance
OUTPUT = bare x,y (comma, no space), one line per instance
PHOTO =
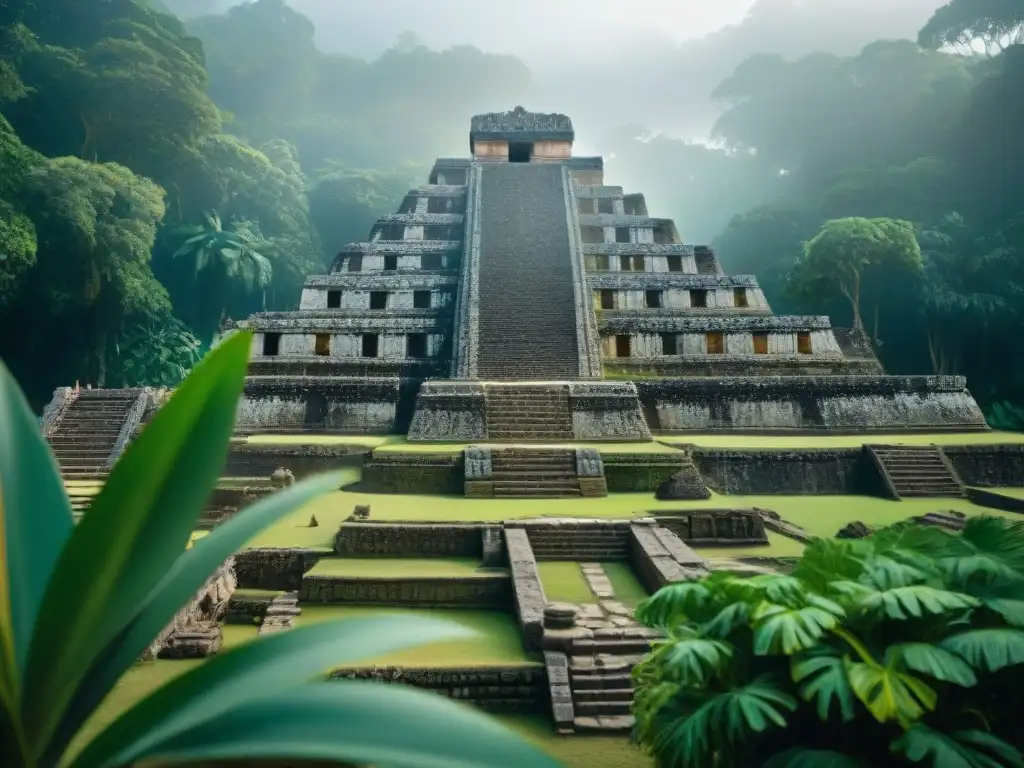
528,412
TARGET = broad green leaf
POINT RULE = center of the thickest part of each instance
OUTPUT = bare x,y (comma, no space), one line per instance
932,660
692,661
358,723
1012,611
728,620
721,721
988,649
961,570
915,601
189,572
778,629
887,572
270,665
136,529
676,603
35,527
890,694
821,677
998,537
813,758
960,749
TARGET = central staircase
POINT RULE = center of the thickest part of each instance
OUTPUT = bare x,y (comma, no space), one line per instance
916,471
86,435
524,473
527,308
602,687
528,414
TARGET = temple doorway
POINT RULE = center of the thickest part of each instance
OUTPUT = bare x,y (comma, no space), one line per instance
520,151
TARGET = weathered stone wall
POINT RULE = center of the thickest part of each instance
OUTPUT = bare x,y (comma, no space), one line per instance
813,471
988,465
640,472
54,411
275,568
410,540
607,411
491,591
659,557
527,591
449,411
209,605
715,527
995,500
413,473
495,689
565,539
835,403
261,460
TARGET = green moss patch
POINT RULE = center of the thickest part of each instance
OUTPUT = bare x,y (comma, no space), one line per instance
367,441
579,751
398,567
498,639
752,442
563,582
627,587
402,446
779,546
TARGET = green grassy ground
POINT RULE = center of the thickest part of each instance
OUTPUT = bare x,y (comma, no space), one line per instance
563,582
779,546
628,589
369,441
398,567
499,640
840,441
403,446
579,751
1016,493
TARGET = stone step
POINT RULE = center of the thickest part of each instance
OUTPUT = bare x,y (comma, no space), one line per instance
533,465
515,476
612,724
526,493
603,707
593,680
622,647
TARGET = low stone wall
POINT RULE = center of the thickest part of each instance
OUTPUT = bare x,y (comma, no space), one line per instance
449,411
206,608
267,568
528,593
607,411
567,539
995,500
491,591
413,473
715,527
659,557
410,540
830,403
812,472
522,689
640,472
988,465
54,411
323,403
261,460
247,609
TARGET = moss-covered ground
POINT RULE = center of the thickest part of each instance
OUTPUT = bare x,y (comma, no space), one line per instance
751,442
1016,493
368,567
403,446
563,582
627,587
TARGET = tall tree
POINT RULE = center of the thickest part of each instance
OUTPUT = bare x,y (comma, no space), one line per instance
967,25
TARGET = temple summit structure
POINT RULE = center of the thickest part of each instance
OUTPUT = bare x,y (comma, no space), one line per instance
517,298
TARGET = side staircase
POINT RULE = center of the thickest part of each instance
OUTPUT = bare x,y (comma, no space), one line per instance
579,541
86,435
525,473
602,691
525,414
912,470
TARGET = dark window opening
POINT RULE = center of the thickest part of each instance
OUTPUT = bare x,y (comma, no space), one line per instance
322,348
622,234
520,151
592,235
675,263
601,263
716,343
699,299
416,345
622,346
421,299
333,299
740,297
605,205
430,261
760,343
439,205
271,343
378,299
392,232
669,345
607,299
803,342
653,299
355,263
369,345
390,263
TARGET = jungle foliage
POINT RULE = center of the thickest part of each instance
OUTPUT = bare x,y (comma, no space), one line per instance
902,649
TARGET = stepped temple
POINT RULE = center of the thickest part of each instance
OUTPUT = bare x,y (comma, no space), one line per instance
517,298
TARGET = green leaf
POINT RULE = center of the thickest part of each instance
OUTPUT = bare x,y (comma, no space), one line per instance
136,529
728,620
358,723
36,523
676,603
997,537
813,758
1012,611
189,572
916,601
692,661
933,661
821,676
988,649
778,629
960,749
889,693
280,662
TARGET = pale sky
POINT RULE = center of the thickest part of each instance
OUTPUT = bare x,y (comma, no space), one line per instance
522,26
